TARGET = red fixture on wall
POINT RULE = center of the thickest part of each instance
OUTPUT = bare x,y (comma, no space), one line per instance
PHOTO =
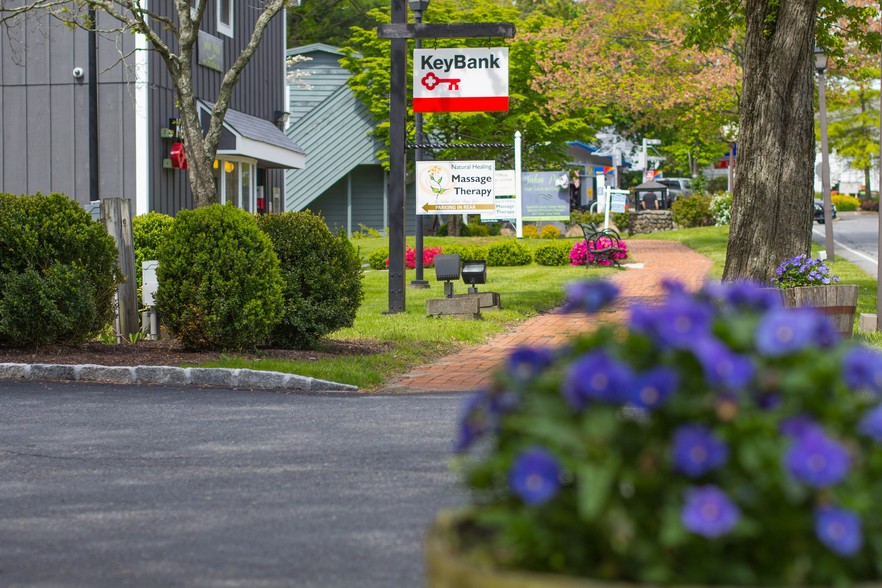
178,156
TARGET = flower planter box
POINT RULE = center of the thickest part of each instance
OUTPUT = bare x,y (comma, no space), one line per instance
839,302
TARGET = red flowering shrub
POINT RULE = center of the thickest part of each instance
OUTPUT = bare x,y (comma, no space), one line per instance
581,253
410,257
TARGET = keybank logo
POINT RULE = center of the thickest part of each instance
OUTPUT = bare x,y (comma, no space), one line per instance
429,61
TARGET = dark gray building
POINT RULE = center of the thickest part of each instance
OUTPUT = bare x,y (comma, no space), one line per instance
44,113
343,180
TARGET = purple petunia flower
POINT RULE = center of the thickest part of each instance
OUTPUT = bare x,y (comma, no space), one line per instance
650,389
871,424
474,421
535,476
746,295
785,331
596,376
862,369
817,460
696,451
589,295
797,426
526,363
677,324
839,529
709,512
722,366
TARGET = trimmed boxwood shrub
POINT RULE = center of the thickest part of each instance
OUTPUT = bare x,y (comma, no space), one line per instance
530,231
556,253
378,258
58,271
219,281
322,278
508,253
466,252
148,232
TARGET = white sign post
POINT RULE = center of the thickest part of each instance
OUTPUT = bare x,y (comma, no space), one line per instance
460,80
455,187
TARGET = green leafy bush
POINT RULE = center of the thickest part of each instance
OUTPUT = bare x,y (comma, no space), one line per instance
466,252
508,253
58,271
377,259
148,232
556,253
219,281
322,278
550,232
619,219
478,230
585,218
530,232
693,211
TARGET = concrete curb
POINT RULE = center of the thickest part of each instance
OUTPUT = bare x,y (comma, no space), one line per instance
174,376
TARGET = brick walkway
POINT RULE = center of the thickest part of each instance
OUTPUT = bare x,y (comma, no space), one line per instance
471,368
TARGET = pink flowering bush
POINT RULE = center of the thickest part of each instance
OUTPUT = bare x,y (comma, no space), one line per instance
582,252
410,257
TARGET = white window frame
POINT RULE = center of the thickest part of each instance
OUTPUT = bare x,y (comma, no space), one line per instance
225,28
252,168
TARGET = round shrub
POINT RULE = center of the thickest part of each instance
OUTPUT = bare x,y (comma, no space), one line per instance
379,259
508,253
466,252
557,253
845,203
871,204
58,271
478,230
219,281
550,232
693,211
322,278
148,232
530,232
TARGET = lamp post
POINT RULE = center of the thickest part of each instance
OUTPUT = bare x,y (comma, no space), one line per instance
419,7
821,66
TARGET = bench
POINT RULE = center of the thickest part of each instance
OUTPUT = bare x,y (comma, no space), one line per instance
604,245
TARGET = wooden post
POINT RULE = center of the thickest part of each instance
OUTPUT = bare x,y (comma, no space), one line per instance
116,213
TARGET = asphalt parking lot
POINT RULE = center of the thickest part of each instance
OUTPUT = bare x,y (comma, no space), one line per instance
108,485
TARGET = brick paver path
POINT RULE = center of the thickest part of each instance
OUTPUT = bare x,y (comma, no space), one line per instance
471,368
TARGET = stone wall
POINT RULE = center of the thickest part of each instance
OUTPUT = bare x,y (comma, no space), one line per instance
650,221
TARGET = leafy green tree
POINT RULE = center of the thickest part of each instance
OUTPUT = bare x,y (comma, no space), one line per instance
329,21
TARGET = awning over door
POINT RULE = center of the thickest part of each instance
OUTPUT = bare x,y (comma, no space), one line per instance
248,136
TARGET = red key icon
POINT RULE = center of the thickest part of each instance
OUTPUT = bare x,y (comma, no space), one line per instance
431,81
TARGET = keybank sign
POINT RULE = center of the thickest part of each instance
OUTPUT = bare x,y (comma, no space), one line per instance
460,80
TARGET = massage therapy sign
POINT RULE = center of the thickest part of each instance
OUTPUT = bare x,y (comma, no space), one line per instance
460,80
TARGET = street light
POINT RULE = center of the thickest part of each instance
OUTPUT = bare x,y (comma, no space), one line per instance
419,7
821,65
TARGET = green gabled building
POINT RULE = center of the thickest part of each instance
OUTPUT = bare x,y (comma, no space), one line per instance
343,179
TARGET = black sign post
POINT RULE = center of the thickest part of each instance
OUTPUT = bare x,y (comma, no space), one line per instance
399,31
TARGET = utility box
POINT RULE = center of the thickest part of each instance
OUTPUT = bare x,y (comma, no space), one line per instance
149,281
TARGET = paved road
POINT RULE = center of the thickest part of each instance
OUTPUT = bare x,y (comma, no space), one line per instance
135,486
855,238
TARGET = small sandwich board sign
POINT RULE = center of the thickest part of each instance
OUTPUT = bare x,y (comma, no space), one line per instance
460,80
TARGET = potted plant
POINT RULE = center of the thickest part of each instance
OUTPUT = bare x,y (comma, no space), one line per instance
720,439
808,282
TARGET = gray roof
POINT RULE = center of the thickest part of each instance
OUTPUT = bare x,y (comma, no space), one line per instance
314,47
650,186
336,134
257,129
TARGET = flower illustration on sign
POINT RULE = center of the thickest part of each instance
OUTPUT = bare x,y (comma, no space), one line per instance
437,179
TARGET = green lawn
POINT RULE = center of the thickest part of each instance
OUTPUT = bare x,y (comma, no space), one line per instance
411,338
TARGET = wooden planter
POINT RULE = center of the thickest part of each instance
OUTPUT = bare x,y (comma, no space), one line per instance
446,568
837,302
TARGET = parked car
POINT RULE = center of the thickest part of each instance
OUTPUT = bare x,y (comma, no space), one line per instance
677,187
819,210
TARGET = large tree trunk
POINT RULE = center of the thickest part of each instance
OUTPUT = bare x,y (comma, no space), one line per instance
772,201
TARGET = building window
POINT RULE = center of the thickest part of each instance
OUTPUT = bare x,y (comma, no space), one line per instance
225,17
235,181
